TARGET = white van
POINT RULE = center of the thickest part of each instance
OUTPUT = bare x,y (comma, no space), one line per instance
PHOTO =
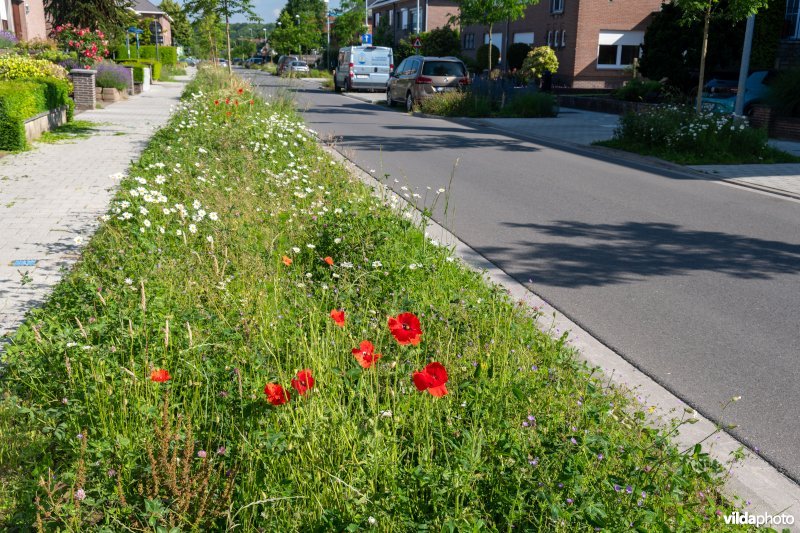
363,67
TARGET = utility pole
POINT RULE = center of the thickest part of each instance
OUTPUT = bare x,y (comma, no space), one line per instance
745,66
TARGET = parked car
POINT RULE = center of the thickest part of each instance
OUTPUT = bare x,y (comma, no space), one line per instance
295,67
363,67
189,61
419,77
719,96
238,60
283,62
252,61
223,62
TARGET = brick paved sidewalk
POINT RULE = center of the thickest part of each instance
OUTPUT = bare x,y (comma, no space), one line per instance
51,197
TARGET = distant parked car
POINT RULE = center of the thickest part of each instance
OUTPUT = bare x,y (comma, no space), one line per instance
223,62
283,63
719,96
419,77
189,61
253,61
295,67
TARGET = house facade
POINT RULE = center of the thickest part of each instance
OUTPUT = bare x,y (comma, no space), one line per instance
408,17
789,49
146,10
25,19
596,41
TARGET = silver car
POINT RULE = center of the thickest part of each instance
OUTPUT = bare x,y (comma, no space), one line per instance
296,67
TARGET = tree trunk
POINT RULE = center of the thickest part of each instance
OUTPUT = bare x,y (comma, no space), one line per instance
703,50
228,38
490,50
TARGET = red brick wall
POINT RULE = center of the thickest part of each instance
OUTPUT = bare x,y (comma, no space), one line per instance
438,13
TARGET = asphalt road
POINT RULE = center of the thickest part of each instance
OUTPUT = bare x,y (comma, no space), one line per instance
694,282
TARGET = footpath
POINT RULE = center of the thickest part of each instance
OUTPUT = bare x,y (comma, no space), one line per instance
52,196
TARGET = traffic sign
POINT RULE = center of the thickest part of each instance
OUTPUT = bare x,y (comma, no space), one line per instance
417,43
366,38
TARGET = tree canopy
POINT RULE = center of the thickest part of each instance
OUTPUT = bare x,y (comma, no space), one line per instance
349,23
181,28
110,16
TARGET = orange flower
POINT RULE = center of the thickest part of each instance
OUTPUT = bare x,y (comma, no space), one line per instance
364,354
329,260
159,375
287,261
338,317
432,378
240,91
275,394
405,328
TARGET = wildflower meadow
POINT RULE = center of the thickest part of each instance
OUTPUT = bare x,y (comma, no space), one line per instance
254,340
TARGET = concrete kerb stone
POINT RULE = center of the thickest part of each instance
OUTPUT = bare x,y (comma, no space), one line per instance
751,479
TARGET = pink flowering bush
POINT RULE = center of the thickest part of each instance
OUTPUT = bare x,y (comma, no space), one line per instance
91,46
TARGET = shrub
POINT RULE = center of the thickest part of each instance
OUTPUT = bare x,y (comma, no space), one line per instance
14,67
539,60
111,75
441,42
23,99
155,67
531,105
785,93
677,133
138,66
638,90
517,53
168,54
482,56
7,39
90,46
457,104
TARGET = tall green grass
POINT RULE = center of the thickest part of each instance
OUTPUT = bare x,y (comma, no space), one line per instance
236,293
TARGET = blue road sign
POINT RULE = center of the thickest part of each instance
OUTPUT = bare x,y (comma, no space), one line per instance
137,31
366,38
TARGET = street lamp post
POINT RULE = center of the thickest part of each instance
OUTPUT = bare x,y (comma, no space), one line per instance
297,18
328,47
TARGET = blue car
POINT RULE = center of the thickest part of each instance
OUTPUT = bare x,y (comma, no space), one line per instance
719,96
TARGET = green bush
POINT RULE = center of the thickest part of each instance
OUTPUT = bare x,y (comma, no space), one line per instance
482,56
19,100
531,105
517,53
679,134
638,90
456,104
155,68
168,54
138,66
14,67
785,93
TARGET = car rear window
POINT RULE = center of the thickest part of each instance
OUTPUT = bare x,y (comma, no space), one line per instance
442,68
299,63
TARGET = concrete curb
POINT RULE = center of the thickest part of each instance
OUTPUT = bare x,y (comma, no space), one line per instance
751,481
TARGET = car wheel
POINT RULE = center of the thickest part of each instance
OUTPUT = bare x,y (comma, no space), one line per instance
336,87
389,101
348,85
409,103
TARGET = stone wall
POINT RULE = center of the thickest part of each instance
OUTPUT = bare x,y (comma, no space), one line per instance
83,80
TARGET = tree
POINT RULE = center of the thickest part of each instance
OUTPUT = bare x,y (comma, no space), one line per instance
490,12
285,38
110,16
207,33
224,9
539,60
181,29
349,23
705,10
383,33
441,42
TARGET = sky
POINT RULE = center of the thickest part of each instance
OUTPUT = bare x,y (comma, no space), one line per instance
268,10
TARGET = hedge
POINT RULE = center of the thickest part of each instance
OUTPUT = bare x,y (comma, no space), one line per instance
155,68
168,54
23,99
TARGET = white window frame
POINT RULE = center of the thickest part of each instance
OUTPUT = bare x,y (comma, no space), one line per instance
556,6
523,37
618,39
563,38
404,19
555,38
550,38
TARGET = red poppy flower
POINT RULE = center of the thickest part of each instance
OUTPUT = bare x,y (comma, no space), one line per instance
236,102
240,91
338,317
287,261
228,113
303,381
251,102
227,100
275,394
405,328
364,354
329,260
432,378
160,375
216,102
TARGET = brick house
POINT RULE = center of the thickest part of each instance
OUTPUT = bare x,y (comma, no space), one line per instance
594,40
789,48
407,17
146,10
24,18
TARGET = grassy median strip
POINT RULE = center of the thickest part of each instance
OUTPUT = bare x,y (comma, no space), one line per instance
252,339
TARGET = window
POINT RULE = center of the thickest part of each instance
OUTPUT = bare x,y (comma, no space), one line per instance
563,38
497,40
391,18
469,41
549,38
618,49
526,38
791,24
555,40
556,6
377,19
443,68
412,19
404,19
